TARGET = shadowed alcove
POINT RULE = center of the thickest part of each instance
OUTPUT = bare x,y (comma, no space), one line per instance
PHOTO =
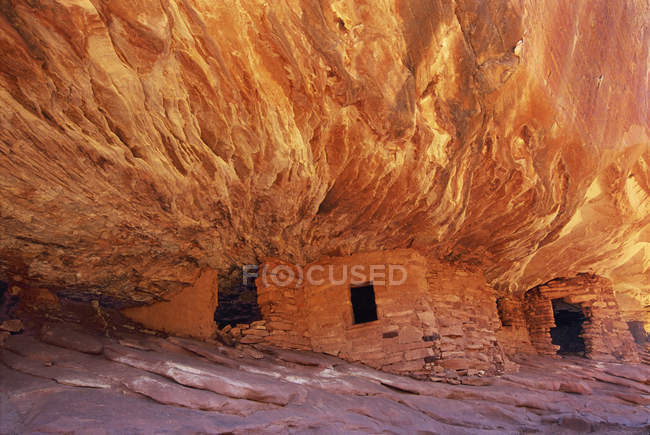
237,304
567,333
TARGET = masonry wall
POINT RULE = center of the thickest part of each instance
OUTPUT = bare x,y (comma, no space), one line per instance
402,339
605,334
538,310
513,335
315,311
440,319
282,302
465,308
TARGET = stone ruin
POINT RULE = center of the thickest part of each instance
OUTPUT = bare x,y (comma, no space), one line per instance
606,336
442,317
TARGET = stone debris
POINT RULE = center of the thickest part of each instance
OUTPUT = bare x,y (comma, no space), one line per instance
574,387
12,325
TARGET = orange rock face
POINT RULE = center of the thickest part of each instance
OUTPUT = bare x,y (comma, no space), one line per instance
190,312
142,141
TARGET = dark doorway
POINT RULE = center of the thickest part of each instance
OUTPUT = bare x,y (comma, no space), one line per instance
501,310
363,304
5,302
568,328
237,304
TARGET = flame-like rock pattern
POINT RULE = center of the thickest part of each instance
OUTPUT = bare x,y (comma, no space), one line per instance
143,140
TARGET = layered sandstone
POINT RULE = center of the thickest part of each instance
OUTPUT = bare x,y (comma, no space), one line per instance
144,141
73,382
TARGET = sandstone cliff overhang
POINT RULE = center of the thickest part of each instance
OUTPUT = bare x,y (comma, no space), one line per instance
143,141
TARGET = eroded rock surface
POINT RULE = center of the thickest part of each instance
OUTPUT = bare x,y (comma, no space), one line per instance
126,390
142,141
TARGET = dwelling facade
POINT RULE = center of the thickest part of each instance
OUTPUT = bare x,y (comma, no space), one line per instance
402,312
397,311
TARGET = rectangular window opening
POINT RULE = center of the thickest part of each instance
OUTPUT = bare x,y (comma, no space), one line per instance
363,304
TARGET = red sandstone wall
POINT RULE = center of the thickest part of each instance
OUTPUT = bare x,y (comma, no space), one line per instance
188,313
441,318
513,335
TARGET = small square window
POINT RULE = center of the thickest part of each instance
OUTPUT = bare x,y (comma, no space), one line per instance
363,304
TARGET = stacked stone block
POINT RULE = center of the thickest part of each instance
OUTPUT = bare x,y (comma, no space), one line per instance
513,335
283,306
465,308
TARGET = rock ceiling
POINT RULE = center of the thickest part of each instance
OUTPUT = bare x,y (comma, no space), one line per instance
141,140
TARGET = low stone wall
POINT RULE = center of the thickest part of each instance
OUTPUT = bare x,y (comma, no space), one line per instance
606,335
539,316
441,321
253,333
